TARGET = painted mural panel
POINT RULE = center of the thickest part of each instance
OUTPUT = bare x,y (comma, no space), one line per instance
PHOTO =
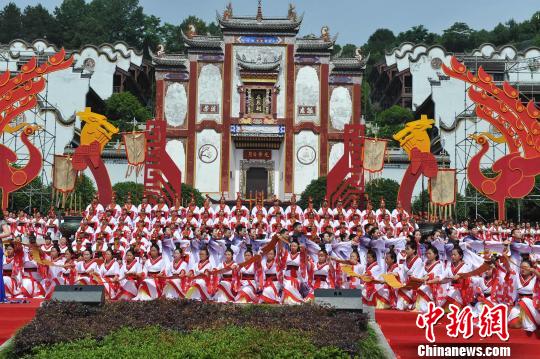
340,108
175,104
209,100
307,95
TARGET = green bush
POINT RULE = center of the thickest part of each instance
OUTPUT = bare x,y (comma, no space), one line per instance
316,190
383,187
63,322
155,342
123,188
187,192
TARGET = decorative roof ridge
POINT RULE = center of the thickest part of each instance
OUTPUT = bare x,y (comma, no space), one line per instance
414,54
259,65
353,63
205,41
167,59
250,21
98,48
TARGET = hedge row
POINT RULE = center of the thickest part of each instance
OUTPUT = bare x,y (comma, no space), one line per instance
158,343
64,322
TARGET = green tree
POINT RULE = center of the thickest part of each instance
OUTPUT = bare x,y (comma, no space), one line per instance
38,23
383,188
349,50
420,202
114,20
10,23
316,190
389,122
122,189
171,38
395,115
377,44
417,35
32,196
85,190
72,19
151,35
457,38
122,108
188,192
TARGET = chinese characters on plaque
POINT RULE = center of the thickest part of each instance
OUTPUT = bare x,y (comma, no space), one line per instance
209,109
258,154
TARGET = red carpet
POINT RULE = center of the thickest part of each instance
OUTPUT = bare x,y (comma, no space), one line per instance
15,316
404,336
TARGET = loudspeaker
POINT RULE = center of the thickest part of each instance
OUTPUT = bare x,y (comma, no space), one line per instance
343,299
85,294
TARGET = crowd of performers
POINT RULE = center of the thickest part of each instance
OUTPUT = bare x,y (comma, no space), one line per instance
276,255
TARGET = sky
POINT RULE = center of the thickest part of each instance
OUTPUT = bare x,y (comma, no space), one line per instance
354,20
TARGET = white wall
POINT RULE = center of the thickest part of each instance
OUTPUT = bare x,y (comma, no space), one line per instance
208,175
304,172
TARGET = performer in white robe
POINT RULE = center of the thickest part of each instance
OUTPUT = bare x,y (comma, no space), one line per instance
86,269
386,296
226,277
154,276
526,314
272,273
11,278
373,271
110,273
201,278
460,291
249,280
294,273
321,275
130,275
176,282
412,269
54,272
431,290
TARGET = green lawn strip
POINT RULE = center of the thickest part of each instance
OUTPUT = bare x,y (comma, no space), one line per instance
155,342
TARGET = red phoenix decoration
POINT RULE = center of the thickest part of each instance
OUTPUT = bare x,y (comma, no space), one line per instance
519,125
18,94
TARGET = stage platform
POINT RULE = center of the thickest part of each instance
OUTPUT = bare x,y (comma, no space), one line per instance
401,332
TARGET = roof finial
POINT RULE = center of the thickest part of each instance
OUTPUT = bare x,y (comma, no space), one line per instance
259,11
228,13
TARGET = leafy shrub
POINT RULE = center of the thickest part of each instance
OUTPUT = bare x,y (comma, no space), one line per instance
383,187
228,342
316,190
57,322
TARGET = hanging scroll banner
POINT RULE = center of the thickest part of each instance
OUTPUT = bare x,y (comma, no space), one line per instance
135,144
64,176
374,154
442,193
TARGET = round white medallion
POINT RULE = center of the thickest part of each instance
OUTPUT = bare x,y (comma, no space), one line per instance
208,153
306,155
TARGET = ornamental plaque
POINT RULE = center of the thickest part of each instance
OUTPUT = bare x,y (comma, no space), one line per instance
436,63
208,153
306,155
257,154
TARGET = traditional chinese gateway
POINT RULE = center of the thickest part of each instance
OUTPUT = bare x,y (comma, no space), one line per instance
258,108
